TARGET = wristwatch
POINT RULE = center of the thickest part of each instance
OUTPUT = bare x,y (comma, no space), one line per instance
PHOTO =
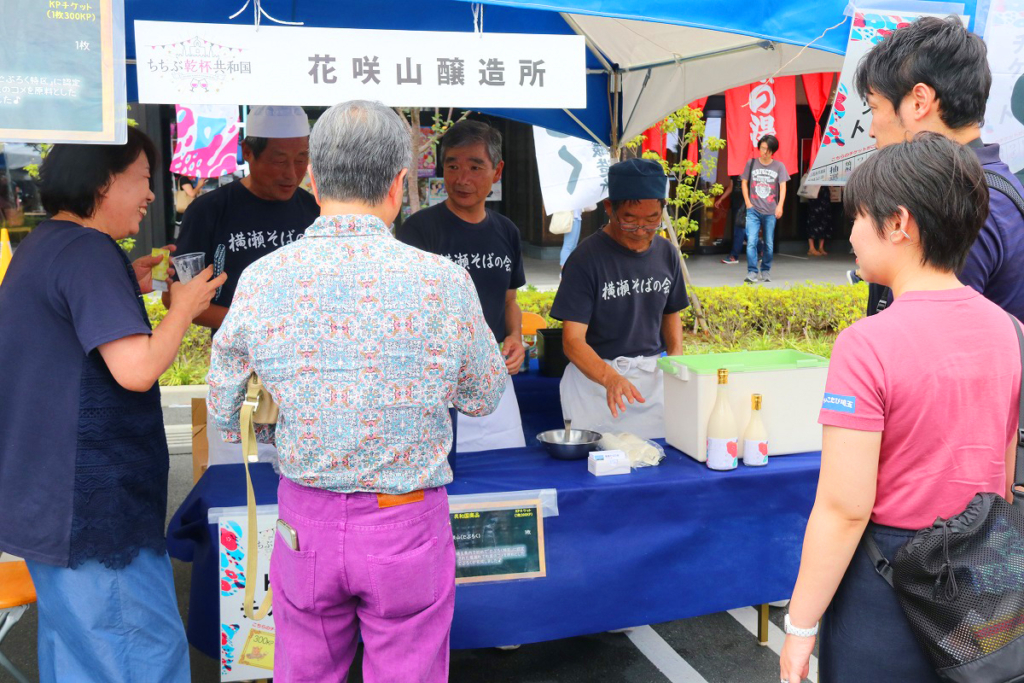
799,632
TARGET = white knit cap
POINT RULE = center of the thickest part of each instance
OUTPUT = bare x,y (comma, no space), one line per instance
277,122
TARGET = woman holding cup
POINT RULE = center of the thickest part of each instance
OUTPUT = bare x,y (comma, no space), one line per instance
83,454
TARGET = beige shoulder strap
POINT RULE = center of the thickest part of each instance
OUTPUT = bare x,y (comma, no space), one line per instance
249,408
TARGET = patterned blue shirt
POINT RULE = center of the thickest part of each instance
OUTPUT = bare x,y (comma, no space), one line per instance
363,341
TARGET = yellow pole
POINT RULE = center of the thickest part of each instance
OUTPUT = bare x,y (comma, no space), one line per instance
5,252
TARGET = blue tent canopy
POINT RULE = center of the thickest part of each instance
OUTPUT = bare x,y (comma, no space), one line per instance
646,58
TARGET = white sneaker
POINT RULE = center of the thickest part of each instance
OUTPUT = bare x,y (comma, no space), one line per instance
750,279
766,276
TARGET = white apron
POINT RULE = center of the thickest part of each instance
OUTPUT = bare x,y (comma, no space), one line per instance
223,453
501,429
586,402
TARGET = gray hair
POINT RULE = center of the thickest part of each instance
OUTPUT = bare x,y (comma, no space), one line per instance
356,150
470,132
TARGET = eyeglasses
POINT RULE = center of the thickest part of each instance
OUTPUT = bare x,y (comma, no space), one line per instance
650,227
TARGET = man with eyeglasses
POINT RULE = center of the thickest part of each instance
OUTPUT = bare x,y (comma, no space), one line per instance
619,301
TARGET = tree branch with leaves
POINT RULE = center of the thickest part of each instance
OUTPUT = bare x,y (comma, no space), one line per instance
690,194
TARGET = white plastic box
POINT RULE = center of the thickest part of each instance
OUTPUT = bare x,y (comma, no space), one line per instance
791,382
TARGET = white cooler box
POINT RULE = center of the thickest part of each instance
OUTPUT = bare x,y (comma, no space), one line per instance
791,382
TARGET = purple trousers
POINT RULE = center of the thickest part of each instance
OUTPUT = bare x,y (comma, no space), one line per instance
384,573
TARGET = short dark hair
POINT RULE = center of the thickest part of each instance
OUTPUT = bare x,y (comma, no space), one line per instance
939,182
256,145
617,203
73,177
940,53
773,143
469,133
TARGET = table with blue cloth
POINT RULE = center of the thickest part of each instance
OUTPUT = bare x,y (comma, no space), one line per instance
662,543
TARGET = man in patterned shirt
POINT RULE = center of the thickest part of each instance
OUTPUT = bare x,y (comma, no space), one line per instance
363,341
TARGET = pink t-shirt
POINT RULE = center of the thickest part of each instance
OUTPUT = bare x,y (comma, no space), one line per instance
938,373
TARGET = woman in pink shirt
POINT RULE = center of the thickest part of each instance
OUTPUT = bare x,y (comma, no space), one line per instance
919,413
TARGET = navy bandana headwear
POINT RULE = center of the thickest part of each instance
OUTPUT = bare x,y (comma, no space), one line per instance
637,179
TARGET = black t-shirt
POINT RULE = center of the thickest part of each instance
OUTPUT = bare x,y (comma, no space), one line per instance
490,250
234,228
621,294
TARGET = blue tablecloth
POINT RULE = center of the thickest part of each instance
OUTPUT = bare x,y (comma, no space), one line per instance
659,544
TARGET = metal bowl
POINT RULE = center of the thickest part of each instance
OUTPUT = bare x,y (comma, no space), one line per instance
579,445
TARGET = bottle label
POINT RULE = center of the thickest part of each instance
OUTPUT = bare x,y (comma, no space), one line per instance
722,453
755,453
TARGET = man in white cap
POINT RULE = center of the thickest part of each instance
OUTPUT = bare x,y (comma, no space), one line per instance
245,220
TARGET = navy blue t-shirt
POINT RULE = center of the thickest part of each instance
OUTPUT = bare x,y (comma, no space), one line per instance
234,228
83,461
490,250
995,263
621,295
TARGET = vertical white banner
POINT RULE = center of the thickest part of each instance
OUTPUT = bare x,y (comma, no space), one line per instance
573,172
247,647
1004,114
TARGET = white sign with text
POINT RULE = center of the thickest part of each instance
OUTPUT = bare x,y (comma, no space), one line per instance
184,63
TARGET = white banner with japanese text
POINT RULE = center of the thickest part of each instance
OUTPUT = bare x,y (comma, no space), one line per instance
573,171
845,142
228,64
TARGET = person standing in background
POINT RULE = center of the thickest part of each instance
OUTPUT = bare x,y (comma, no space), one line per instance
764,193
488,246
238,223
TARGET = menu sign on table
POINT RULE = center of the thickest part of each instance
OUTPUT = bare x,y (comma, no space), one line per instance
62,71
498,541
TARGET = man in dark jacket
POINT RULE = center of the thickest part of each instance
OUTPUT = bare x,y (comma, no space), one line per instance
933,75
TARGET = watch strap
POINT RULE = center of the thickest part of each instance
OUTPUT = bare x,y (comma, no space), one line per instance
799,632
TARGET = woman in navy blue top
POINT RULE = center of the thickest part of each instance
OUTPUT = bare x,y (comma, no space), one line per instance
83,455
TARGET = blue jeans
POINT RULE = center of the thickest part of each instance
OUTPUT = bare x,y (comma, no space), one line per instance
756,221
739,234
571,238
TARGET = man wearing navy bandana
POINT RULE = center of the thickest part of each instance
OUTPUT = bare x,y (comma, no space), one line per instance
619,301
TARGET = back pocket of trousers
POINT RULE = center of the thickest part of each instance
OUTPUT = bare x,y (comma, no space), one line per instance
407,583
292,575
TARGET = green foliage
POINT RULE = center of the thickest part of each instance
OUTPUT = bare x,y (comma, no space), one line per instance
806,317
690,194
193,360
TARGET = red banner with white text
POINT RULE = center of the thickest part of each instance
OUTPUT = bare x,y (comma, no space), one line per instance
764,108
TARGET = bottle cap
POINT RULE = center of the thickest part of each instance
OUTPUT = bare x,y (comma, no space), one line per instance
755,401
723,376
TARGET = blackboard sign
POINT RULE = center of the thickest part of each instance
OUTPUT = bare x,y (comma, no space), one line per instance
498,541
62,71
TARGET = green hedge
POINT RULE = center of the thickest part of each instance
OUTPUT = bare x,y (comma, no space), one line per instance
805,317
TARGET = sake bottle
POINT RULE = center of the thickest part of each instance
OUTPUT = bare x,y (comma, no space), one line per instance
723,434
755,438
